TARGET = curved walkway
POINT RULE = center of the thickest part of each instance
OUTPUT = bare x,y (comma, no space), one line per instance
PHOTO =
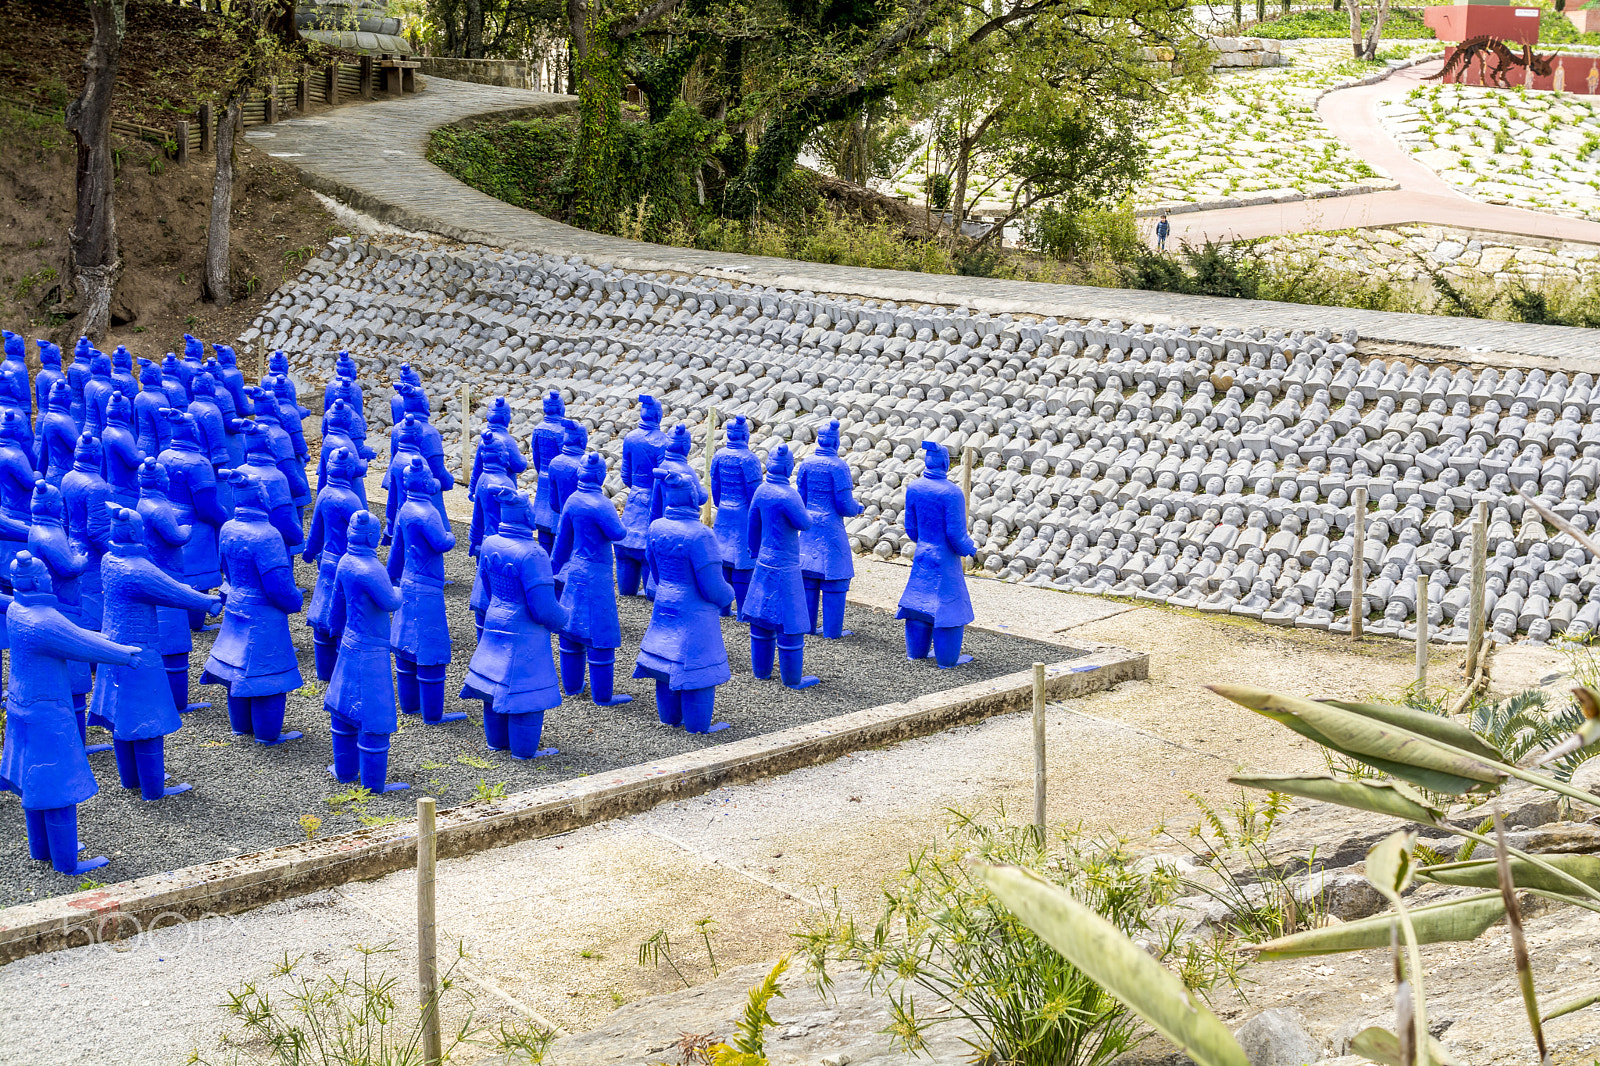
372,156
1423,197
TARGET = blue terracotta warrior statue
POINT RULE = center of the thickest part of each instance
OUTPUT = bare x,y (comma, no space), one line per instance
210,431
325,546
420,634
429,441
735,476
253,654
293,466
193,363
336,434
44,382
231,378
546,445
16,487
192,488
500,429
122,378
49,542
121,450
935,605
172,384
142,701
97,392
406,441
642,450
345,374
150,428
15,392
492,477
58,435
360,697
262,467
166,536
682,650
86,495
397,403
44,761
511,671
675,460
827,488
349,394
583,561
290,414
562,473
775,605
235,420
78,377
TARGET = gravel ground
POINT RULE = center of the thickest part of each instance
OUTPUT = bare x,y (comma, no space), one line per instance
248,797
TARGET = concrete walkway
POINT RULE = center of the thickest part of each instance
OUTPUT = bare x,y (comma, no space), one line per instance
372,156
1423,197
554,925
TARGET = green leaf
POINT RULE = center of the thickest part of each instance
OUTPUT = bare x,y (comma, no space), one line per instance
1383,1047
1433,726
1572,1006
1380,797
1389,749
1389,865
1457,919
1481,873
1115,963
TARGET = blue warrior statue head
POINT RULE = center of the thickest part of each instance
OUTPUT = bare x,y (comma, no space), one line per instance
828,439
936,460
593,473
516,513
193,351
678,443
575,438
363,532
780,464
30,579
341,466
739,433
554,407
649,411
500,413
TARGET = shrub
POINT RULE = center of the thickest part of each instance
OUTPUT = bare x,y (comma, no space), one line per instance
1402,23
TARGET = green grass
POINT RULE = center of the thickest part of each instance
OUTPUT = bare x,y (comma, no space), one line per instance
1403,23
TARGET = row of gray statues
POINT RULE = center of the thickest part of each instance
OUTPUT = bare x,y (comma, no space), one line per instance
132,509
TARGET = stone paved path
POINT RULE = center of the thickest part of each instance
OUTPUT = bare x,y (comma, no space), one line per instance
1423,197
372,157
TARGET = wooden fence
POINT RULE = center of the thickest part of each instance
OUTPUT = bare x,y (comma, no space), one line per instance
330,85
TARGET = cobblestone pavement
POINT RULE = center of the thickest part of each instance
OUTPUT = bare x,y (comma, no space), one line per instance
372,157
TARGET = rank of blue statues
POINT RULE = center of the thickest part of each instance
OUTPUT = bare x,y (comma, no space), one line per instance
132,509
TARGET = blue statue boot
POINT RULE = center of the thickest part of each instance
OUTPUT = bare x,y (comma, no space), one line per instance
374,749
947,647
346,767
791,661
602,678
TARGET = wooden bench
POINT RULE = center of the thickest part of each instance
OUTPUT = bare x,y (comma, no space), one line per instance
399,75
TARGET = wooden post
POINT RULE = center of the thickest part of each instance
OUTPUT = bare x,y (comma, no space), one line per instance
427,944
1422,635
269,108
208,127
1480,565
181,135
708,513
466,434
966,489
1038,749
302,91
366,77
332,95
1358,563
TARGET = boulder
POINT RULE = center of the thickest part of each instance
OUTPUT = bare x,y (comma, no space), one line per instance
1278,1037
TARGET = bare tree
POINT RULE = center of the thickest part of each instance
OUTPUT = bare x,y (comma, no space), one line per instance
1365,46
93,262
218,282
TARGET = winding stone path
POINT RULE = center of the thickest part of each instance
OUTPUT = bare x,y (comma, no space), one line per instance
1423,197
372,156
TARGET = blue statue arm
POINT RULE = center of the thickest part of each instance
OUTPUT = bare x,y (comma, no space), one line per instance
295,471
753,531
516,462
207,508
278,584
381,589
477,469
955,527
908,518
12,528
716,481
561,550
158,587
541,596
439,536
162,523
479,600
625,469
794,511
611,523
286,521
844,499
318,533
68,641
397,554
99,518
711,585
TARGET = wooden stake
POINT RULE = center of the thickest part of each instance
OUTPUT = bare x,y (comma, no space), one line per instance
180,136
427,947
208,127
708,513
966,489
1038,749
1422,634
1358,563
1480,566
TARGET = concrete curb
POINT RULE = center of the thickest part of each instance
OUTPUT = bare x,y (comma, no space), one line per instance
229,886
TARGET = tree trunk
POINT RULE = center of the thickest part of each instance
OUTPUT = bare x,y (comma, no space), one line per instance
92,258
1357,46
474,29
218,280
1376,30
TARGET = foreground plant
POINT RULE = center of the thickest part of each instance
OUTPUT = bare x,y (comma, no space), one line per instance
944,935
